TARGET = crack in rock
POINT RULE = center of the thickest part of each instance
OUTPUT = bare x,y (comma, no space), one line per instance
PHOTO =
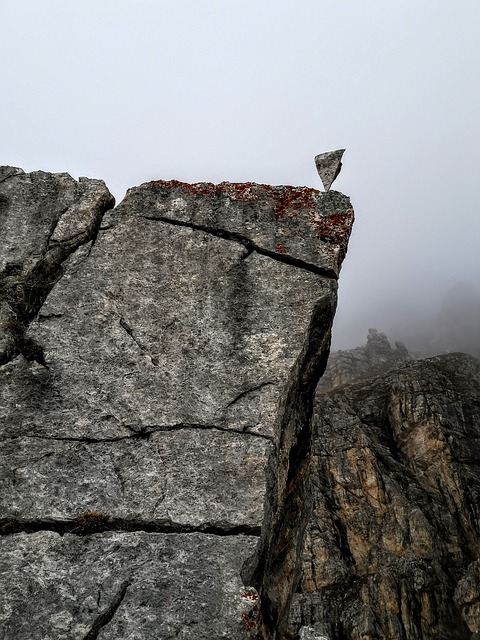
124,324
232,236
276,567
242,394
24,287
95,522
106,616
145,433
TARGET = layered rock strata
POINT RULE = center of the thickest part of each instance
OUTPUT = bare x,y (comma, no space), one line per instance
158,368
393,543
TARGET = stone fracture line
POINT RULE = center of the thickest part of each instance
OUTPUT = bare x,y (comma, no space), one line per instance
231,236
106,616
145,433
91,523
124,324
242,394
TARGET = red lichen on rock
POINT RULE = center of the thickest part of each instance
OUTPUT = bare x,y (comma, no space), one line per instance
246,192
288,204
291,200
287,200
335,228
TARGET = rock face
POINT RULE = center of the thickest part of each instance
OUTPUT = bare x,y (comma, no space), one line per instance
158,369
393,543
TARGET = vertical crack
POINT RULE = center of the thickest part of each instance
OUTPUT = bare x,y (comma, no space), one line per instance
106,616
277,566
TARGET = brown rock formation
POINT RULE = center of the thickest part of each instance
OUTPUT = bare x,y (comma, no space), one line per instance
393,543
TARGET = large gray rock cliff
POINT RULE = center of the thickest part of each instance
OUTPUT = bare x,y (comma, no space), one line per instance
158,365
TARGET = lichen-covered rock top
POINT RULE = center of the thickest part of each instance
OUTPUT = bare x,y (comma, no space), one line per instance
295,222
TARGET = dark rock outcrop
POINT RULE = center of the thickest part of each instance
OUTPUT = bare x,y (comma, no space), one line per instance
158,371
393,544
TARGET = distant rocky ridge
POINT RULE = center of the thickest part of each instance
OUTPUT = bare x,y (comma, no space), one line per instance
377,356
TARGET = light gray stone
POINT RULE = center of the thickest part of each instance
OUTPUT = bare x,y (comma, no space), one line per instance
329,165
122,585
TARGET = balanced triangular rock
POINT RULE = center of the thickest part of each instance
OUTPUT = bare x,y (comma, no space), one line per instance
329,165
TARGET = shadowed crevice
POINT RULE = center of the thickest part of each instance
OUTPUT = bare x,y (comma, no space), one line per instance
95,522
277,564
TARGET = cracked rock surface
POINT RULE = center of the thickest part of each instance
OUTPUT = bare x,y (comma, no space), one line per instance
158,368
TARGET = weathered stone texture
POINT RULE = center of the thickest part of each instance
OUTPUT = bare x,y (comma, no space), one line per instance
394,533
150,383
122,585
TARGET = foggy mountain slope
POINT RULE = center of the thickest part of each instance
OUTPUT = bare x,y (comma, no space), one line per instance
449,322
457,324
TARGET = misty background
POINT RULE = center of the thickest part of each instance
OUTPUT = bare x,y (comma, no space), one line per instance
212,90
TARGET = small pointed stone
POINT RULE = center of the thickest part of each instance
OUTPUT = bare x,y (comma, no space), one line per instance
329,165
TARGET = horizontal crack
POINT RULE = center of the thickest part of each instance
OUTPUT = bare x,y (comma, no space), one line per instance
145,433
250,245
94,522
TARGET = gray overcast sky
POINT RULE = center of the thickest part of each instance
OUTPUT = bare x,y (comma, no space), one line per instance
214,90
